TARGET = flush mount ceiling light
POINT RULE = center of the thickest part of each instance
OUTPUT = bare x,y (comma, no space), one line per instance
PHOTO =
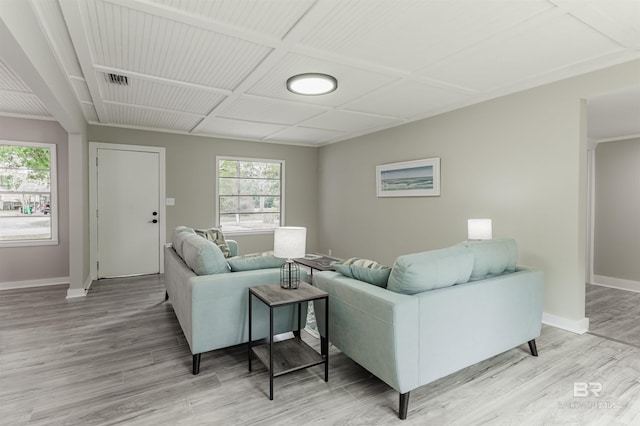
312,84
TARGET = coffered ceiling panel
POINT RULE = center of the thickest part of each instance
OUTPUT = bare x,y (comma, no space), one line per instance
10,81
305,134
268,111
144,117
15,96
423,32
240,128
349,121
272,18
22,104
418,99
499,61
219,67
159,95
127,39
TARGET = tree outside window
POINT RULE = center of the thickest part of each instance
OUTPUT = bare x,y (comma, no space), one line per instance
27,193
249,195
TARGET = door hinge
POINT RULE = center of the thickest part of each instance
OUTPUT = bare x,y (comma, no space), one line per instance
96,161
97,213
98,265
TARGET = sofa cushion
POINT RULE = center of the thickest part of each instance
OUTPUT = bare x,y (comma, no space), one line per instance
203,256
365,270
178,237
250,262
492,257
215,235
418,272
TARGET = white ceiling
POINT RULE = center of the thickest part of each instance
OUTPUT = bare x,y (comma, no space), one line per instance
219,67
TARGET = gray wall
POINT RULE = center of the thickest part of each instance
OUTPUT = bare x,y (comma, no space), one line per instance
190,165
519,159
40,262
617,210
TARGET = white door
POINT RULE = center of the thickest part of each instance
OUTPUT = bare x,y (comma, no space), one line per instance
128,222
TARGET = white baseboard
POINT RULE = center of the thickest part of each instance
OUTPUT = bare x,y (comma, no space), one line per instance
575,326
618,283
76,292
80,292
34,283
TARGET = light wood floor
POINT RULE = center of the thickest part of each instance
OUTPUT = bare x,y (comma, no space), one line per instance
118,356
614,314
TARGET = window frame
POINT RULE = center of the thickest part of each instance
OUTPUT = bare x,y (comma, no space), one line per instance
282,193
53,198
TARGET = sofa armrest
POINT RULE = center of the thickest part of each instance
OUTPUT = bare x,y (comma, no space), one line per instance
375,327
467,323
233,247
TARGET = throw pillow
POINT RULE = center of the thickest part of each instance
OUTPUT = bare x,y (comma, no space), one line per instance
203,257
215,235
365,270
250,262
418,272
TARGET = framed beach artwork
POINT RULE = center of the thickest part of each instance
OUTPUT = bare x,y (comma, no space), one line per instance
418,178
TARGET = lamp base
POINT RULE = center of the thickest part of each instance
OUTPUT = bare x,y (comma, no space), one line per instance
289,275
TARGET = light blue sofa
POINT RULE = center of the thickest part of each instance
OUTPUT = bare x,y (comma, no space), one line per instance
212,305
476,304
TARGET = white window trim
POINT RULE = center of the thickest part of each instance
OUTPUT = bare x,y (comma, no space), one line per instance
53,204
282,192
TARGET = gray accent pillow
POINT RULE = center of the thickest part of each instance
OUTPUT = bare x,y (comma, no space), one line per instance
250,262
366,270
215,235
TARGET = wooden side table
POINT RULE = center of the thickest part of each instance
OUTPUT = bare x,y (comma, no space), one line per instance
321,263
294,354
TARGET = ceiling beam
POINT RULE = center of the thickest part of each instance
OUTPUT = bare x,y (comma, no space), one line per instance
72,11
25,49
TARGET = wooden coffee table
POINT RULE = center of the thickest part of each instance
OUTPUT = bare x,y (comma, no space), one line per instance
294,354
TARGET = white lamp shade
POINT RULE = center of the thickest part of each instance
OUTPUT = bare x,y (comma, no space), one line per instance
479,229
289,242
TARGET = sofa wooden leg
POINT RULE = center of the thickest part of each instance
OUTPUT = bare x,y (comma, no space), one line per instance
532,347
196,364
166,296
404,406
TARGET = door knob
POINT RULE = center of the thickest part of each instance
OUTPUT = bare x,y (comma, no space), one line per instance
155,221
155,213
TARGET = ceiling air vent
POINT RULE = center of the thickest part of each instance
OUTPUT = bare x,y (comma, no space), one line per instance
118,79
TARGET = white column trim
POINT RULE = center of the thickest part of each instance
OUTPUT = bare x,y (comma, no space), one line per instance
580,326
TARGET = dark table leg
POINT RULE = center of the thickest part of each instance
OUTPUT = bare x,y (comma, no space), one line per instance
325,348
249,342
271,353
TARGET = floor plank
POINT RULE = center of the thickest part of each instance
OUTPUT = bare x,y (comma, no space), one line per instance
118,356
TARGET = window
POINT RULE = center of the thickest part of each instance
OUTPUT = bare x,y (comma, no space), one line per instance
249,194
28,214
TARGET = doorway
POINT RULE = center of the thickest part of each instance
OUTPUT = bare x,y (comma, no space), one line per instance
127,220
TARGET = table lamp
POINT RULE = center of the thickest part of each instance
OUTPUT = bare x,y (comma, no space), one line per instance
479,229
289,242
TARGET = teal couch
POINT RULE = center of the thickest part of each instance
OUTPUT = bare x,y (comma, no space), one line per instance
212,305
442,311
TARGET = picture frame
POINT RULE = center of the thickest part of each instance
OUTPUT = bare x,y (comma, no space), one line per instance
417,178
